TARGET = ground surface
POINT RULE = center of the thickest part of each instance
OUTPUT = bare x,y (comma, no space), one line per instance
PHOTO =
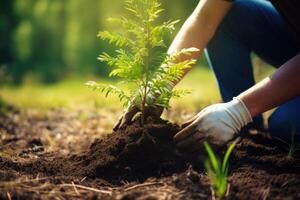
65,155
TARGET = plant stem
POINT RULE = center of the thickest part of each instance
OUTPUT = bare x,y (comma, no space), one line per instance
146,72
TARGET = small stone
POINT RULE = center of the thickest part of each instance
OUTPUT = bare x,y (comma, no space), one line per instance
193,176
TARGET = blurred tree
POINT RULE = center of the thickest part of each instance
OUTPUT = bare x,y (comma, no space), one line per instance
8,22
54,39
81,45
21,36
49,19
6,26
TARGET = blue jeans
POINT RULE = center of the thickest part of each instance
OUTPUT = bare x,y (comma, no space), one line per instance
254,26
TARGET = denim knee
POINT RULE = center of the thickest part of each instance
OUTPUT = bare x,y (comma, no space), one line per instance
285,121
238,22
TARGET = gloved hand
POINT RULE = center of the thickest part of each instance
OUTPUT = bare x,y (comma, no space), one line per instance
217,124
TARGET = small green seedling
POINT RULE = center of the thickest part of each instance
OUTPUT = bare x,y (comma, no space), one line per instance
217,171
293,146
141,63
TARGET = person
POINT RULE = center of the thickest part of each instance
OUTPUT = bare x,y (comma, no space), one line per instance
228,31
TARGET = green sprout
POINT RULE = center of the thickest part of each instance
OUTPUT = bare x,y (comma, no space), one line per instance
141,63
217,171
293,146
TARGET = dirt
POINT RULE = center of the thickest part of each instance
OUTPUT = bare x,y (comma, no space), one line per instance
62,156
136,152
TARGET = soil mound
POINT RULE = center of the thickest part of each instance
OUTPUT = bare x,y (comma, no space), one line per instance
132,153
135,152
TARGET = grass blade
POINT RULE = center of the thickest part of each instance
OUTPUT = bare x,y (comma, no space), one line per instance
226,157
212,156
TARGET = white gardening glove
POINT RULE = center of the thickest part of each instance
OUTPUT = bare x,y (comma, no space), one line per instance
217,124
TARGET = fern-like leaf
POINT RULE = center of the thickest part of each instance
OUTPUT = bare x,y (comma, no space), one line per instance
104,57
108,89
118,40
183,52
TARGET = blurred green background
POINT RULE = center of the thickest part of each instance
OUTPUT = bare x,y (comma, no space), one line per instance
49,49
51,40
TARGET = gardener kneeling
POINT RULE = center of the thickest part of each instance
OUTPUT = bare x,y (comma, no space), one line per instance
230,31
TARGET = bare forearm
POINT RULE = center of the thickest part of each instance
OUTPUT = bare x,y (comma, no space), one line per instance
282,86
200,27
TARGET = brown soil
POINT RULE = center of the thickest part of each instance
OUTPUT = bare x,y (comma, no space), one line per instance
132,163
135,152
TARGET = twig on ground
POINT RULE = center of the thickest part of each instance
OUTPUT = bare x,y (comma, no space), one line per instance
83,179
265,193
75,188
8,196
143,185
88,188
228,190
20,181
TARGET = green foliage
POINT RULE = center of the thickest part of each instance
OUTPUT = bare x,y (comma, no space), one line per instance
141,60
51,40
217,171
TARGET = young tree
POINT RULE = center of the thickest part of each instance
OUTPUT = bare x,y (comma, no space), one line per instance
141,60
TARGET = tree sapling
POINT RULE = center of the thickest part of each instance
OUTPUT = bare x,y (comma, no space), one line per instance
141,61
